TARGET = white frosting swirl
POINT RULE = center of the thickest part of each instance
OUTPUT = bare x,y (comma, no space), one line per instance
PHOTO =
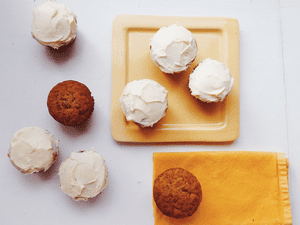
211,81
53,24
83,175
33,149
173,48
144,102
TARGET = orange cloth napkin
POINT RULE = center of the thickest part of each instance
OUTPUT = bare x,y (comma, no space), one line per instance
239,188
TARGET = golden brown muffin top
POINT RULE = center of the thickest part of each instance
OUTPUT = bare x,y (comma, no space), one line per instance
177,193
70,103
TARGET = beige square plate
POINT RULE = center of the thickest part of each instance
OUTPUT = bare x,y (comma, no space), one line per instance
187,119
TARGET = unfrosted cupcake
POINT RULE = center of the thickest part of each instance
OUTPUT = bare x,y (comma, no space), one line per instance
173,49
32,150
144,102
53,24
177,193
211,81
83,175
70,103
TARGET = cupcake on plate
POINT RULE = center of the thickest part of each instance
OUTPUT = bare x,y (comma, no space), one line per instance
177,193
32,150
211,81
144,101
70,103
83,175
53,24
173,48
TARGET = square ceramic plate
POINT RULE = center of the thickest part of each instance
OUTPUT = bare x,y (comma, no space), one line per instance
187,119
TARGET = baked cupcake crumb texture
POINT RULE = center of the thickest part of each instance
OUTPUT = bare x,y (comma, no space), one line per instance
70,103
177,193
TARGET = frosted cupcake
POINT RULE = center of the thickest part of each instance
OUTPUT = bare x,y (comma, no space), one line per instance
33,150
211,81
144,102
173,49
53,24
83,175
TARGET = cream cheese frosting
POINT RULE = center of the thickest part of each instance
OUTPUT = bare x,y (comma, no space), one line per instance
144,102
173,48
83,175
211,81
53,24
33,149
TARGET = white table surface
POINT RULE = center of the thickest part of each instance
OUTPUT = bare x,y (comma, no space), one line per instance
269,104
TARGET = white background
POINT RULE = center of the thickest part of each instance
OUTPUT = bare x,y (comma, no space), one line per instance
269,104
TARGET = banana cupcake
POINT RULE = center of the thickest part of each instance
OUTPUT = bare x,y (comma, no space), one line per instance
177,193
211,81
53,24
173,48
144,101
32,150
83,175
70,103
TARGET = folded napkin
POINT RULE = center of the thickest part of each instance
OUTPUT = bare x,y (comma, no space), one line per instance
239,188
